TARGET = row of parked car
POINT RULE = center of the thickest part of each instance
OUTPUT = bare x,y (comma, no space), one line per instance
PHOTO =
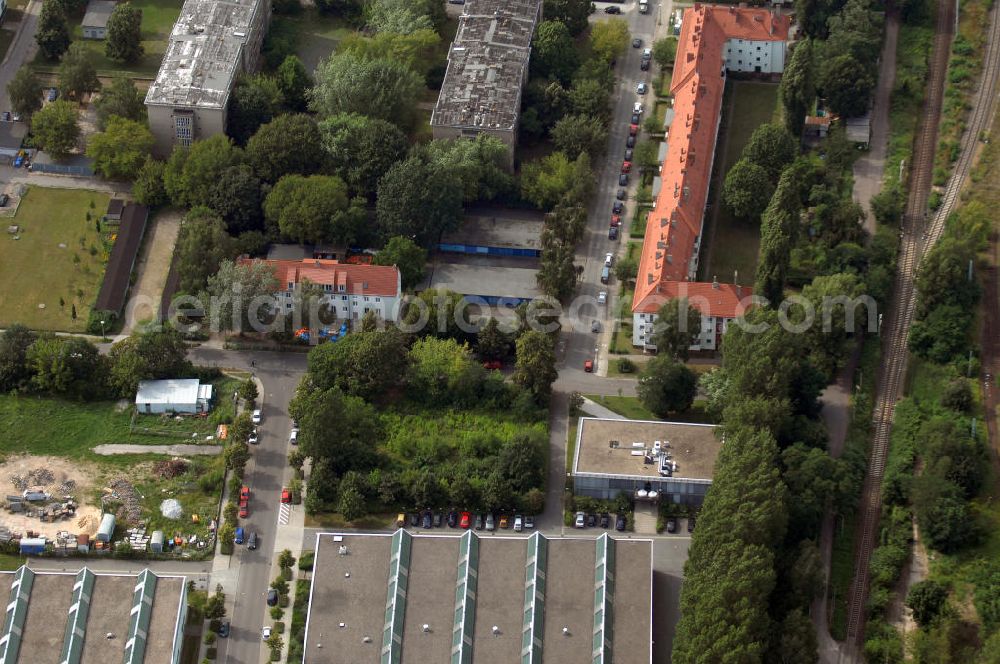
465,520
584,520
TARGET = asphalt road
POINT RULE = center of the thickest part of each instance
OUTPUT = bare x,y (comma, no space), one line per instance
21,50
279,373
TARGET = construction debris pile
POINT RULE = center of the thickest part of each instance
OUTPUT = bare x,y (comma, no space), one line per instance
170,469
171,509
121,490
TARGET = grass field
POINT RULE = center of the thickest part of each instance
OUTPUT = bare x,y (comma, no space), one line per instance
158,17
629,407
70,429
734,243
35,270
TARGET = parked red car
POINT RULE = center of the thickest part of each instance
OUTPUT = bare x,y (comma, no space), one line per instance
588,366
286,495
244,509
626,166
465,521
616,220
244,493
633,129
493,365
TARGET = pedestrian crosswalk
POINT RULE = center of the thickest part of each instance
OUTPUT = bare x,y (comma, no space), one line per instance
284,511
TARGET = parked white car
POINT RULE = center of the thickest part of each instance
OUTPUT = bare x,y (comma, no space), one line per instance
637,109
608,259
255,418
581,520
602,297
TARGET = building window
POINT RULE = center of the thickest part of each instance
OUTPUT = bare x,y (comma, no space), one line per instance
341,288
184,129
327,287
344,298
366,298
378,299
291,285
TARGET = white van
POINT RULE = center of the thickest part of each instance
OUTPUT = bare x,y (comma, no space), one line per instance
643,7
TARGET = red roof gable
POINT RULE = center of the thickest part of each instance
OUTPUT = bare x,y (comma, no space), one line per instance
381,280
711,299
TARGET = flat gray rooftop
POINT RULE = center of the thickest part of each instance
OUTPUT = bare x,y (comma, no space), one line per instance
500,601
569,601
110,607
48,610
694,447
203,53
498,228
163,619
360,600
476,276
98,13
487,64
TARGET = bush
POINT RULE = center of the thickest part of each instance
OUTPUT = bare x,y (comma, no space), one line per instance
626,365
283,601
279,627
209,638
277,613
211,653
306,561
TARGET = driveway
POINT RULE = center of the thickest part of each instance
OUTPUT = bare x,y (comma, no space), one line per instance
152,268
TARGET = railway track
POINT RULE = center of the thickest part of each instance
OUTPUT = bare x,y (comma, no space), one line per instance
917,237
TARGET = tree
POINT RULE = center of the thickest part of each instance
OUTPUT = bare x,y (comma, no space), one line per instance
609,39
314,209
747,189
364,364
491,342
149,355
574,134
237,198
536,364
380,88
248,390
286,560
941,335
555,179
289,144
957,395
847,85
121,149
667,386
25,92
646,156
553,53
415,49
77,74
361,149
66,366
664,51
589,97
522,461
677,326
55,128
945,520
397,16
926,599
192,174
772,148
556,275
626,269
52,34
418,201
148,187
408,256
573,13
202,245
236,288
237,455
15,371
337,429
442,372
121,98
124,36
254,102
215,607
798,86
478,166
350,501
446,315
798,639
294,83
943,277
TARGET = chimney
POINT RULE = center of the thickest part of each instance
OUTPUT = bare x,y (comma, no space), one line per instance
736,278
715,282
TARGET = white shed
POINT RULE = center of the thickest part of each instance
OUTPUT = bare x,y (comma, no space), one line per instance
107,529
156,543
182,395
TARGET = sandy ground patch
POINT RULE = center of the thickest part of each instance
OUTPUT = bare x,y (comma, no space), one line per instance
58,476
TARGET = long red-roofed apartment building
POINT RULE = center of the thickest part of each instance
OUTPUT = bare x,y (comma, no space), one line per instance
713,39
349,290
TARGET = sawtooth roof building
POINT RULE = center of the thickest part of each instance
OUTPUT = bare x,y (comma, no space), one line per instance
713,40
211,44
487,71
88,618
405,598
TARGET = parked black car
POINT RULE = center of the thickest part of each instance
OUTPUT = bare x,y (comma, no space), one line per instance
628,154
605,520
272,597
630,142
691,524
618,207
623,180
620,523
613,233
621,195
425,520
591,520
437,519
644,65
671,525
224,629
452,519
414,519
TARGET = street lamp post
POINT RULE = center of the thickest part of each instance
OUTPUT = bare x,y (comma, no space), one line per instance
103,336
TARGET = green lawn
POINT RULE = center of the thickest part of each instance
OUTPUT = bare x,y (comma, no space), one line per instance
10,562
44,426
613,371
315,35
734,243
158,17
36,270
629,407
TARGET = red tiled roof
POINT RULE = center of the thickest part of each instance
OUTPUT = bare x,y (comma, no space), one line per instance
697,86
382,280
711,299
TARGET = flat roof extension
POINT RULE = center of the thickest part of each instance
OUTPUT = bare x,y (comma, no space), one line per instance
606,446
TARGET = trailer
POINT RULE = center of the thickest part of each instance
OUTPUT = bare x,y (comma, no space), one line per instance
32,546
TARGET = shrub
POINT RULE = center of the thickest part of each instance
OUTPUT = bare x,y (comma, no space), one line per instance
209,638
277,613
626,365
279,627
211,653
283,601
306,561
